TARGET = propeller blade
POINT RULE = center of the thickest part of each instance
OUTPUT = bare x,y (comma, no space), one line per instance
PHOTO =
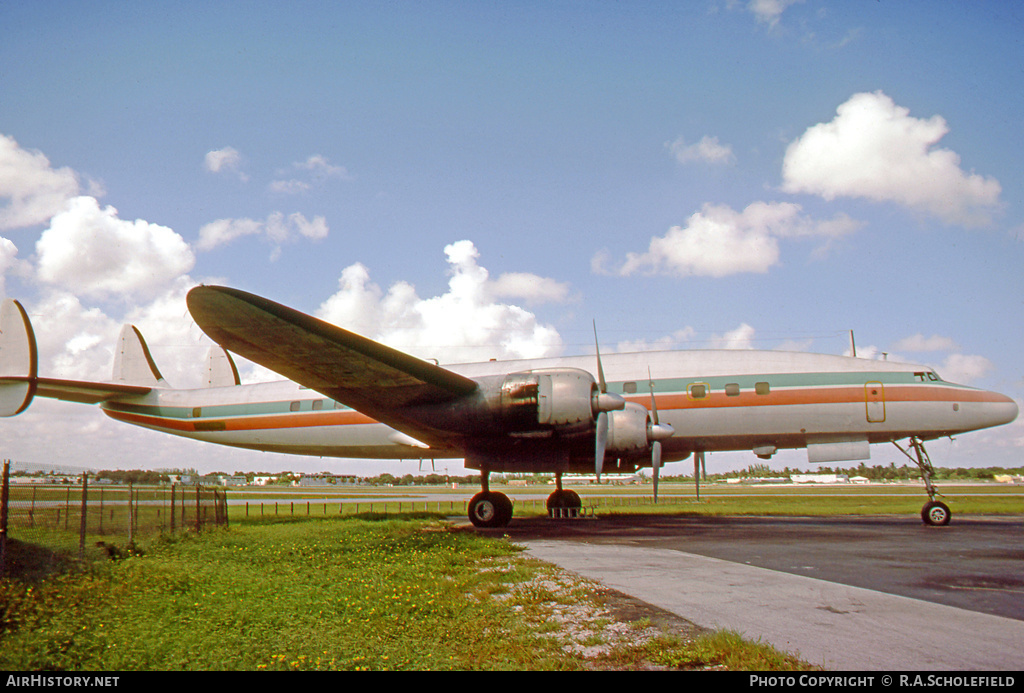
600,369
656,465
698,457
600,443
654,402
657,431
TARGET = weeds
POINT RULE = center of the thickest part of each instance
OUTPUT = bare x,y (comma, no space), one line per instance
337,594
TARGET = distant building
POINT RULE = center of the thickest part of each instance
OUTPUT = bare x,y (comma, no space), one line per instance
819,478
618,479
327,480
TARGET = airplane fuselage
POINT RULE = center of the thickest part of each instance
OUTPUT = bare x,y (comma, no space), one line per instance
760,401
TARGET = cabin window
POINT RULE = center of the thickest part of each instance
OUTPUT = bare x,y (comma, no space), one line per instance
762,388
629,388
295,406
732,390
338,405
698,390
197,412
318,404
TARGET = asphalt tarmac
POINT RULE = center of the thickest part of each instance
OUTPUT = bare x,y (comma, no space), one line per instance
847,593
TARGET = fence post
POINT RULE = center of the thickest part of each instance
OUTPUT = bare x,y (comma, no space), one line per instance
198,527
3,517
82,525
172,508
131,515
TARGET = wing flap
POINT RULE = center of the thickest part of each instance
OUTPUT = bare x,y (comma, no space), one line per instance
368,376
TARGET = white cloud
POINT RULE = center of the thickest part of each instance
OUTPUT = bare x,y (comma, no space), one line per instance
718,241
874,149
467,323
320,167
10,264
769,11
965,368
740,338
91,251
919,343
33,189
226,160
530,288
276,228
675,340
707,150
316,168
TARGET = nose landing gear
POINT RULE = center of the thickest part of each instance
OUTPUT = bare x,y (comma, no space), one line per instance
935,512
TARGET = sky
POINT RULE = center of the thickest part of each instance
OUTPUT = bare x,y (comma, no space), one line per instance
475,180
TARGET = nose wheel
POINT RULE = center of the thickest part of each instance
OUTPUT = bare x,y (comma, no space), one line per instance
935,513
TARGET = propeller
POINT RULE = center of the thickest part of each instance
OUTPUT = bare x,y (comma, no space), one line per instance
603,403
656,433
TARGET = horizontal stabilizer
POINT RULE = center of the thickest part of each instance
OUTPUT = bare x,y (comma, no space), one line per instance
19,361
85,392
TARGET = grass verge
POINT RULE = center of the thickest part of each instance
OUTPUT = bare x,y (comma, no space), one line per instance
331,594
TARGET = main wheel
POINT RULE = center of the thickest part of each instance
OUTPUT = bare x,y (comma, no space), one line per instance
565,498
490,510
936,513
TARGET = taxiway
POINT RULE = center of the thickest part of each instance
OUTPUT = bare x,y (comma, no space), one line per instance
846,593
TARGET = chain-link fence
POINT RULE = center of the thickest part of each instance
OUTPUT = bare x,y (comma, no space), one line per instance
58,523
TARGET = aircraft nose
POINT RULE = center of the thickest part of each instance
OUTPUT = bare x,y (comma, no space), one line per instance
1002,409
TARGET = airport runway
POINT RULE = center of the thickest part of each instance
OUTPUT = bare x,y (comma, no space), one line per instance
846,593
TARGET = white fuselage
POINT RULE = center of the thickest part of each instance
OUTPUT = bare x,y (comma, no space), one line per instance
715,400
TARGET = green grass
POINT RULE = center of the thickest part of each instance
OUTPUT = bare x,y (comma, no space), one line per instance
334,594
374,592
723,650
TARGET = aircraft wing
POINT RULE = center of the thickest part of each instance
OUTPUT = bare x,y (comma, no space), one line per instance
378,381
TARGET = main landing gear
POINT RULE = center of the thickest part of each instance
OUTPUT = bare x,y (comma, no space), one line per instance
934,512
490,509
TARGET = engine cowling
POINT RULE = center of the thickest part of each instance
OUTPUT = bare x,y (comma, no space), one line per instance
629,430
553,399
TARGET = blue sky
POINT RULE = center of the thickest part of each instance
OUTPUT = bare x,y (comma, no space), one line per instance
468,180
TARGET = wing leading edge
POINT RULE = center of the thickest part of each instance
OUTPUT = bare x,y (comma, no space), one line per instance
378,381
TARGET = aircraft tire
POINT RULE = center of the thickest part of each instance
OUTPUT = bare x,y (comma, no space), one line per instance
489,509
565,498
936,514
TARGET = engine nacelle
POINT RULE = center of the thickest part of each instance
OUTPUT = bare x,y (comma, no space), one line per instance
542,399
628,430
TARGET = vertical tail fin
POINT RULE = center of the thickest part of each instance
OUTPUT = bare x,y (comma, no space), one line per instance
19,359
133,364
220,368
